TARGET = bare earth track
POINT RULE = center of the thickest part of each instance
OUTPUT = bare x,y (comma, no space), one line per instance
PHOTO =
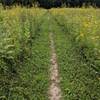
54,90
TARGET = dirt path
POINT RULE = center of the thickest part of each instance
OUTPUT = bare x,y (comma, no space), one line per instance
54,90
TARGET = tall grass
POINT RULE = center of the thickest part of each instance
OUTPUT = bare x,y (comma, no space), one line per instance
77,42
83,27
19,32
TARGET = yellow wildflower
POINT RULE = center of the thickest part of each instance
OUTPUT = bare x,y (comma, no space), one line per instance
82,35
95,37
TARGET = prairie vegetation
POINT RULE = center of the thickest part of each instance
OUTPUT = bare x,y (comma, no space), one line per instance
24,55
77,41
25,52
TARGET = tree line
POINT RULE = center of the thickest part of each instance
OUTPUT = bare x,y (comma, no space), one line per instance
51,3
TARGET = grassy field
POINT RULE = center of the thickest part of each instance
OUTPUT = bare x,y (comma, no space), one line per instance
77,43
25,53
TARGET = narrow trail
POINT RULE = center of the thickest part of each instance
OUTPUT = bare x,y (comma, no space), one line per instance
54,90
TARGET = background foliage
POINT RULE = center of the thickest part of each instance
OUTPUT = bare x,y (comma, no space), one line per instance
52,3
